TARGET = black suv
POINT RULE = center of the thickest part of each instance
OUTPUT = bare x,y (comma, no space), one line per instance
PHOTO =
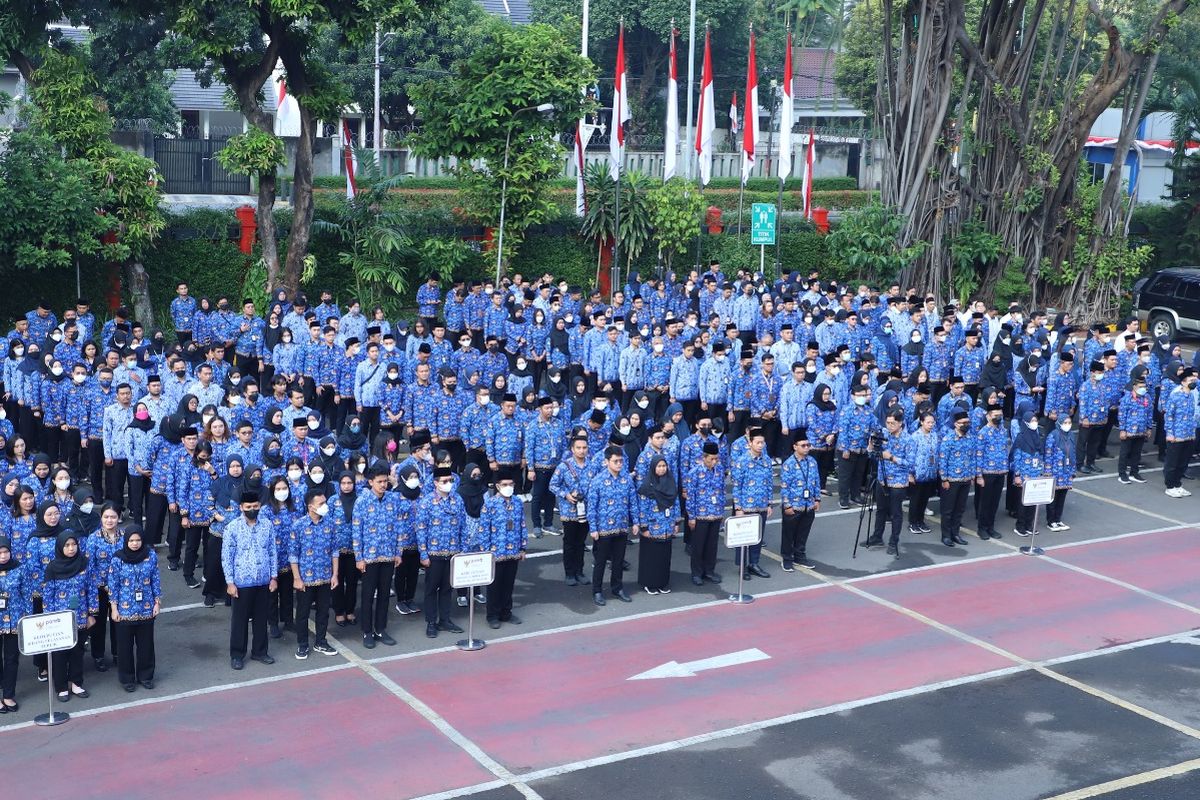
1169,301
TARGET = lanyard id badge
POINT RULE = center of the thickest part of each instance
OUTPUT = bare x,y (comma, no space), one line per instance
137,596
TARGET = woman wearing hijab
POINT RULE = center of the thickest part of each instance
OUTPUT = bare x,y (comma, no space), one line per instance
317,429
659,519
273,423
68,587
1028,382
560,345
1060,462
99,547
996,370
14,604
520,377
1027,460
345,594
83,519
498,388
405,579
189,410
352,439
193,493
226,492
136,601
11,374
31,370
822,418
580,398
912,352
54,407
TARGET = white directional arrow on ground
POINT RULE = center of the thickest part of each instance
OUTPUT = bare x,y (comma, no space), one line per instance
688,669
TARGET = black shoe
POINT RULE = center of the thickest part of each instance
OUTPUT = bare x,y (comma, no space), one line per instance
273,631
788,567
129,687
925,528
236,662
598,599
209,601
100,665
1020,532
513,619
696,579
494,624
386,638
843,503
369,641
449,626
804,561
173,565
915,529
1137,478
584,580
623,596
625,565
191,581
572,580
265,658
759,571
947,541
747,575
431,630
995,534
148,684
872,543
302,652
893,551
959,540
713,577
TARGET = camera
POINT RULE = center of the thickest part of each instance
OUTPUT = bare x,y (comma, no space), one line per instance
876,443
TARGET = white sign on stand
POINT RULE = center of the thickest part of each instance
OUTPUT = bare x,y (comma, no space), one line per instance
743,531
38,634
472,569
1037,492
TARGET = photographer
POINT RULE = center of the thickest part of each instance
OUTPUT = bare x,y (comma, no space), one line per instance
895,476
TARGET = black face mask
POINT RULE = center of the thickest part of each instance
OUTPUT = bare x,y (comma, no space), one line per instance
251,515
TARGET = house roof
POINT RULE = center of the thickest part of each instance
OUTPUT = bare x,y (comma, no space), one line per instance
188,94
516,10
813,76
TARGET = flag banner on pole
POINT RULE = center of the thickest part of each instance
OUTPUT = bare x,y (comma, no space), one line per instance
671,137
706,123
620,111
351,161
809,157
580,205
733,117
786,115
750,115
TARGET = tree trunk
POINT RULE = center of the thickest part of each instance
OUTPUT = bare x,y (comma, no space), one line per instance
268,245
138,282
302,203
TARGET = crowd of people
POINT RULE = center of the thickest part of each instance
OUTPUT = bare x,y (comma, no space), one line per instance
315,461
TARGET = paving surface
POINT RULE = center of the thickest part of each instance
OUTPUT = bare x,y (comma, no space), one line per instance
966,672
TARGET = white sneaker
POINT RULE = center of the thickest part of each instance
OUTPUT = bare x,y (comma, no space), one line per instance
1172,493
1183,492
1062,526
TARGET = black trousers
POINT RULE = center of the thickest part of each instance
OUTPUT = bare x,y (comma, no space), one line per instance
68,664
1129,460
954,503
370,421
574,535
738,425
313,595
156,516
214,573
250,610
918,500
987,500
851,473
138,489
98,634
135,651
193,535
10,657
889,502
1107,429
114,481
1088,445
439,597
52,436
345,595
376,586
174,537
543,498
95,462
770,429
794,535
609,548
283,604
1176,462
654,563
407,575
704,546
1054,511
71,449
341,412
499,596
1025,517
824,459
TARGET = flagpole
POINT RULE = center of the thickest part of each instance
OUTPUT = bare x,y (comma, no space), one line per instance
784,143
618,99
689,160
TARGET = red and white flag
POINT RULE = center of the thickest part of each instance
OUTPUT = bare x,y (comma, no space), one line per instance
620,112
580,205
785,115
809,156
351,161
671,138
750,115
706,123
733,116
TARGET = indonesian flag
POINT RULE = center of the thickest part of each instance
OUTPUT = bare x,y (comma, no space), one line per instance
580,205
620,111
281,94
809,154
785,115
733,116
671,140
706,123
750,115
351,161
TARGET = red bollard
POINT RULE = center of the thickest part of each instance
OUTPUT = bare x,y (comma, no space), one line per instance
712,219
821,219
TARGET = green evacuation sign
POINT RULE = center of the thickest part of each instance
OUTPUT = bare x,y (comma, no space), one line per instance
762,223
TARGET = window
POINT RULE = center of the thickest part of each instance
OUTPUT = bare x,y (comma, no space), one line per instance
1189,290
1165,285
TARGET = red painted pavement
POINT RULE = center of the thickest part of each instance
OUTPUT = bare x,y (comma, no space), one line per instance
1164,563
565,697
1031,607
338,734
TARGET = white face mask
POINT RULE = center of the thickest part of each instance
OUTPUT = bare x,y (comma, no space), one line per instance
845,356
412,482
505,491
393,376
1139,390
206,418
281,494
1032,424
389,347
1066,426
916,338
360,467
235,399
317,476
18,351
322,509
56,371
658,348
445,486
483,401
79,378
860,400
235,381
601,405
329,450
294,475
131,363
63,484
87,507
810,368
625,429
643,403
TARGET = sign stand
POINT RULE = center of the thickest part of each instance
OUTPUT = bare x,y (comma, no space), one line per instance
1036,492
741,532
467,571
39,634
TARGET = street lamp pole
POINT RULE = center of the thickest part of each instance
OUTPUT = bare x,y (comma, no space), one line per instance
377,114
542,107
